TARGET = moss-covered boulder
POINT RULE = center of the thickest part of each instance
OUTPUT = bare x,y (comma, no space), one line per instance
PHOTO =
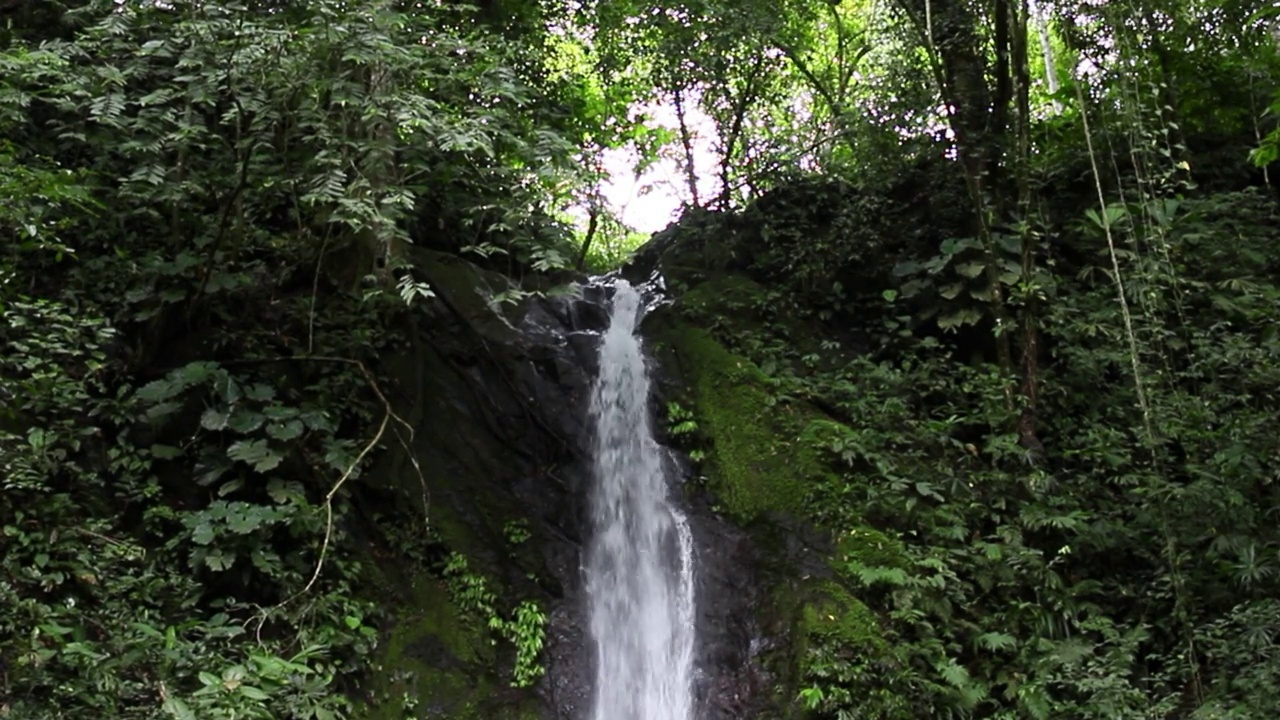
430,661
757,466
842,657
864,547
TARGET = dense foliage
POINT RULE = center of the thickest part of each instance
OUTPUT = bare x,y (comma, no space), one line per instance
1121,561
1063,408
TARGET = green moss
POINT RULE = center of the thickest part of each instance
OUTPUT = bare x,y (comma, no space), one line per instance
730,293
436,663
832,614
836,643
757,465
842,651
428,658
871,548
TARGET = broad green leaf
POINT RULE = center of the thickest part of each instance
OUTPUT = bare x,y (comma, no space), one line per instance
908,267
218,561
229,389
280,412
318,420
198,372
282,491
911,288
260,392
202,534
338,456
286,430
244,420
245,522
178,709
214,419
256,453
162,410
951,246
158,390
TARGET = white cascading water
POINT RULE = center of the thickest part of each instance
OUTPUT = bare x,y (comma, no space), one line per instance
639,569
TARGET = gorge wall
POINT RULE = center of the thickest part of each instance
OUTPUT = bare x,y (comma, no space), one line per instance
497,397
498,403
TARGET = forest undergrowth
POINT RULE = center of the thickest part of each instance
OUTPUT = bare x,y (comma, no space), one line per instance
1057,387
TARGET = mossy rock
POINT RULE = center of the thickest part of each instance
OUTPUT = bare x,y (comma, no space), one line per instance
868,547
745,313
732,293
428,659
740,309
462,463
468,290
828,628
838,644
832,614
757,464
436,663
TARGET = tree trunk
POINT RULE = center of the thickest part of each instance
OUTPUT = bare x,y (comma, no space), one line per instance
1046,49
740,107
1029,244
592,225
951,32
998,121
690,172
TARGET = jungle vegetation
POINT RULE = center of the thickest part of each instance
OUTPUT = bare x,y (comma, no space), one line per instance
1065,408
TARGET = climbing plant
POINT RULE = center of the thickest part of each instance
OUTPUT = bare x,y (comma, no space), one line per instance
524,627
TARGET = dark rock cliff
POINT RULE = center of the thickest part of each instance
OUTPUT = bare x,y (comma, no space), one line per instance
497,398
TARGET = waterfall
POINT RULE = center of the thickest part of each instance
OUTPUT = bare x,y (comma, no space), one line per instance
639,570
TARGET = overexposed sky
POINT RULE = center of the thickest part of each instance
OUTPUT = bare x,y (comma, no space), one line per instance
652,201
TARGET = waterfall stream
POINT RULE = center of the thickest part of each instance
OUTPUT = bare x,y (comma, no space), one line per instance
639,569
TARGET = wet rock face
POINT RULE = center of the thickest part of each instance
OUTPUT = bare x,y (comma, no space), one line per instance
563,337
499,397
730,682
